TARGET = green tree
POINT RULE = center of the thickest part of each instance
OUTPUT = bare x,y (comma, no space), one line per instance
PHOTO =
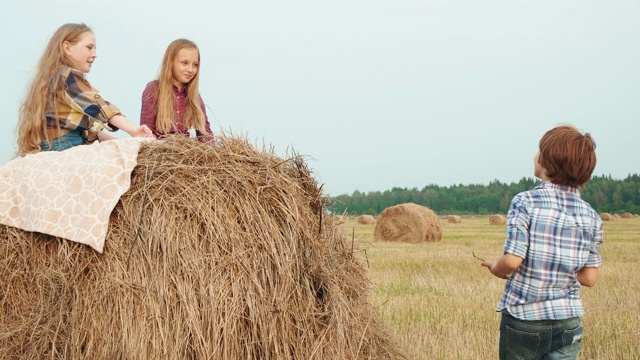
604,193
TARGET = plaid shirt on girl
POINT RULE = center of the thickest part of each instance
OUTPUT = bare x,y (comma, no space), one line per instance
82,108
557,234
149,111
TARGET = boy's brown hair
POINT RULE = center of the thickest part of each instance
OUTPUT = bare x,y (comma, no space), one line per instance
568,155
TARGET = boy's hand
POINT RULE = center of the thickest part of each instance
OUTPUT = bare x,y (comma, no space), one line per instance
491,266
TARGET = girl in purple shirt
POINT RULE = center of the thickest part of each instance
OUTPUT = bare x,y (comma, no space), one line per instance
172,104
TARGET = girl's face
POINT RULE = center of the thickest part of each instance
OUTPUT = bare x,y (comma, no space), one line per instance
185,66
82,54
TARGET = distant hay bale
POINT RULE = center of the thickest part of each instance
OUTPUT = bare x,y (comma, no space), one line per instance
636,215
366,219
606,216
339,218
213,253
617,216
408,223
627,215
454,219
497,219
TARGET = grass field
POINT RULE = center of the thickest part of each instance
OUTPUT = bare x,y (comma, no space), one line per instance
439,302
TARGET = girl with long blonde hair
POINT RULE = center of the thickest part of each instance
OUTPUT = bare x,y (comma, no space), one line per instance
61,108
172,104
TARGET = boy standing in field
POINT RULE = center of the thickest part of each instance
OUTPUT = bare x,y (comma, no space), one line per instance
551,250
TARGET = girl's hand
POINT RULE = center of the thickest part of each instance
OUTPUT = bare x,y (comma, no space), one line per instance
125,125
142,131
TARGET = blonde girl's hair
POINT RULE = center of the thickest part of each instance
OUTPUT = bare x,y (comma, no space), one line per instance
47,87
164,99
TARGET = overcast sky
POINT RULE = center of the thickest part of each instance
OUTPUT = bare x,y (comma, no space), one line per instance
376,94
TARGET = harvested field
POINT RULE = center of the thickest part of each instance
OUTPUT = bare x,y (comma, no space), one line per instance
440,289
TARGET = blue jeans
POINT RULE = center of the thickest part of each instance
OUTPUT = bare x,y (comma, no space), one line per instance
542,339
66,141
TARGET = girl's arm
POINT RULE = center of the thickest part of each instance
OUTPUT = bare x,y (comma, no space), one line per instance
148,109
207,125
83,98
104,136
208,137
123,123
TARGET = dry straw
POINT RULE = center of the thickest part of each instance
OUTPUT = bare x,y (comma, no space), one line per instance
408,223
339,219
366,219
606,216
454,219
627,215
497,219
214,253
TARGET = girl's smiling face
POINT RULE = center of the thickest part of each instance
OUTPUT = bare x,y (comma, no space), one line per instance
81,54
185,66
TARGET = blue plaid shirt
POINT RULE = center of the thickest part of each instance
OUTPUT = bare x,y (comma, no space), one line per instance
556,234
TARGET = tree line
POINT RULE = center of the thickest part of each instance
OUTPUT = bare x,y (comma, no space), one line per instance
604,193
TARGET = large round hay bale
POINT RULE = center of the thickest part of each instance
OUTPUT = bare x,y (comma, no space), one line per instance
213,253
366,219
627,215
454,219
408,223
617,216
497,219
606,216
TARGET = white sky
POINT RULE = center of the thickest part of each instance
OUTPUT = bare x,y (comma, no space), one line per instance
376,94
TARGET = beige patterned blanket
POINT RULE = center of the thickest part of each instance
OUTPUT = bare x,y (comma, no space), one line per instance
71,193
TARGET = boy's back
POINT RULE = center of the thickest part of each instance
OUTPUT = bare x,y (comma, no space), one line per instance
551,250
556,234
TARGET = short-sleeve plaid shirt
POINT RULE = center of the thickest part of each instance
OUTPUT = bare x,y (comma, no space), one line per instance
556,233
82,108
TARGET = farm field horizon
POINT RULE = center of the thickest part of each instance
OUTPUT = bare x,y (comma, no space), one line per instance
439,303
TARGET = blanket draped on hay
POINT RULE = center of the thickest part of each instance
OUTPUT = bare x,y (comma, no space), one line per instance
213,253
69,194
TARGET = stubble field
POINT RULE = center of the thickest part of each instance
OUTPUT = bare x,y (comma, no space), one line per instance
439,303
